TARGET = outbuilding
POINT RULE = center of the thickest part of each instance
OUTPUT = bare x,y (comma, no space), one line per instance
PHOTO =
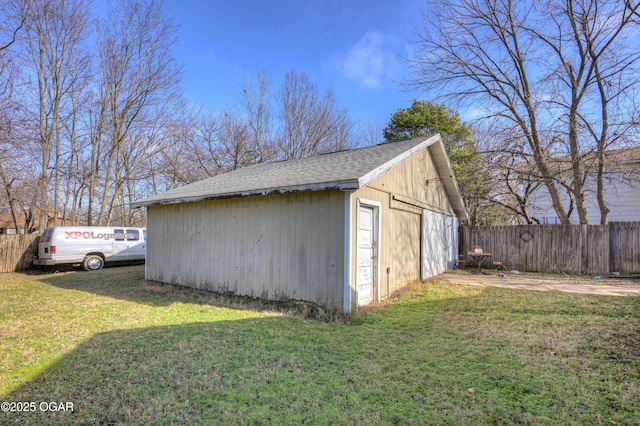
340,230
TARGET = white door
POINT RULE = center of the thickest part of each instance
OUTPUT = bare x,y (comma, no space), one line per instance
366,257
439,243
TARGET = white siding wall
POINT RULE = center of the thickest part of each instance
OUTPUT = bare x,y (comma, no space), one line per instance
621,196
273,247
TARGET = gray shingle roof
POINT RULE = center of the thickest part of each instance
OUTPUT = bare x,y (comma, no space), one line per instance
346,170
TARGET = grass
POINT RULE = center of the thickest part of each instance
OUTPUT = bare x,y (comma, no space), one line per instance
125,351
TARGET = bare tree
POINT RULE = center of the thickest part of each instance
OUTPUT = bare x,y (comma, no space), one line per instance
8,186
96,127
202,145
220,142
74,170
257,106
510,175
371,131
8,108
16,151
19,187
16,178
138,88
205,142
310,123
176,164
234,148
215,142
54,31
558,71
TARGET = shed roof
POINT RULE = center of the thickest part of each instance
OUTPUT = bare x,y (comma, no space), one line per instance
344,170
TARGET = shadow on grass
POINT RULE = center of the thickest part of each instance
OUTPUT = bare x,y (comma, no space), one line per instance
267,370
421,361
128,283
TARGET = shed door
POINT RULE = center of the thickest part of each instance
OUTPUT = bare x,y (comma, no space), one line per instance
439,243
366,258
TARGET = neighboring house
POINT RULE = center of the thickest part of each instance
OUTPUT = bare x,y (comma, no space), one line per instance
340,230
7,225
622,192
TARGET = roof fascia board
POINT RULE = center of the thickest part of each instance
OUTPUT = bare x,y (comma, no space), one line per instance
380,170
451,185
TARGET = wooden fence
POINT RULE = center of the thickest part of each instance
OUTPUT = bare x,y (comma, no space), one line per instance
572,249
17,252
624,248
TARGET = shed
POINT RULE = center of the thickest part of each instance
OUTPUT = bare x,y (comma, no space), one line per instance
340,230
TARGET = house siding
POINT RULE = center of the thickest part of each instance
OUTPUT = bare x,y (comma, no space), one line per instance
621,195
402,193
275,247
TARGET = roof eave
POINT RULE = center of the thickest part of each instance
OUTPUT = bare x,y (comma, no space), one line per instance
342,186
450,184
457,203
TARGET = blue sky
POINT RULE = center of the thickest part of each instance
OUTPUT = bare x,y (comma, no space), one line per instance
354,47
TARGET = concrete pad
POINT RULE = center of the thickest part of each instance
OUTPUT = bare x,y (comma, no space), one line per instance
531,282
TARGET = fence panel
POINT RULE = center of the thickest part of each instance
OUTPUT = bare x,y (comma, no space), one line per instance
596,248
17,252
624,240
571,249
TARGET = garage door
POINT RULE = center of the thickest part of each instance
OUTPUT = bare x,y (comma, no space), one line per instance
439,243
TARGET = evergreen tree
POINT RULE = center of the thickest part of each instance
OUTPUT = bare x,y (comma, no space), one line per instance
426,119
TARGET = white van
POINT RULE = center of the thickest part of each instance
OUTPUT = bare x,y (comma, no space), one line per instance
91,246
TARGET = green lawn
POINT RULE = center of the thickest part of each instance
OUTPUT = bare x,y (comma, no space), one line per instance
124,351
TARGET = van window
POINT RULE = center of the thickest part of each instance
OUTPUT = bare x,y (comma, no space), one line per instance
119,234
132,235
144,232
46,235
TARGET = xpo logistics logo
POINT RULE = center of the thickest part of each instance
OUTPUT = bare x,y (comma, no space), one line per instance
77,235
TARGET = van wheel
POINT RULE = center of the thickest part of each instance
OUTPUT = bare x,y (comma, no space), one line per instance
93,263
